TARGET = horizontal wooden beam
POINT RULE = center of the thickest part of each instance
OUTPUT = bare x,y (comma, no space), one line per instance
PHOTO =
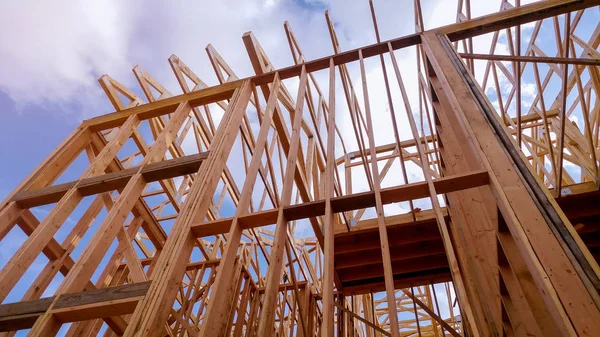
533,59
190,266
422,216
112,181
407,266
346,203
533,117
382,148
99,303
474,27
22,315
404,281
512,17
368,239
397,253
164,106
340,58
457,31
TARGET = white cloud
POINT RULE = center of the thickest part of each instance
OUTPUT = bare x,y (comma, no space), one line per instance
528,89
54,51
574,119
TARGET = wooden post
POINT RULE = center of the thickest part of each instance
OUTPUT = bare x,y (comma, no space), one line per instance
383,236
549,264
327,329
265,325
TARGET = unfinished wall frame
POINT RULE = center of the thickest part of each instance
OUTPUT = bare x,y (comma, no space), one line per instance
192,205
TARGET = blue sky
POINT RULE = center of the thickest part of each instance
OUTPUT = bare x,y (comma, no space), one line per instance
28,135
54,53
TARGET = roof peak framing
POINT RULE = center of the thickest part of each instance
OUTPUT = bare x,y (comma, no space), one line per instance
462,30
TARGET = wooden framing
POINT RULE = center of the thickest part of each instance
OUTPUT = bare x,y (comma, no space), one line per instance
242,209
